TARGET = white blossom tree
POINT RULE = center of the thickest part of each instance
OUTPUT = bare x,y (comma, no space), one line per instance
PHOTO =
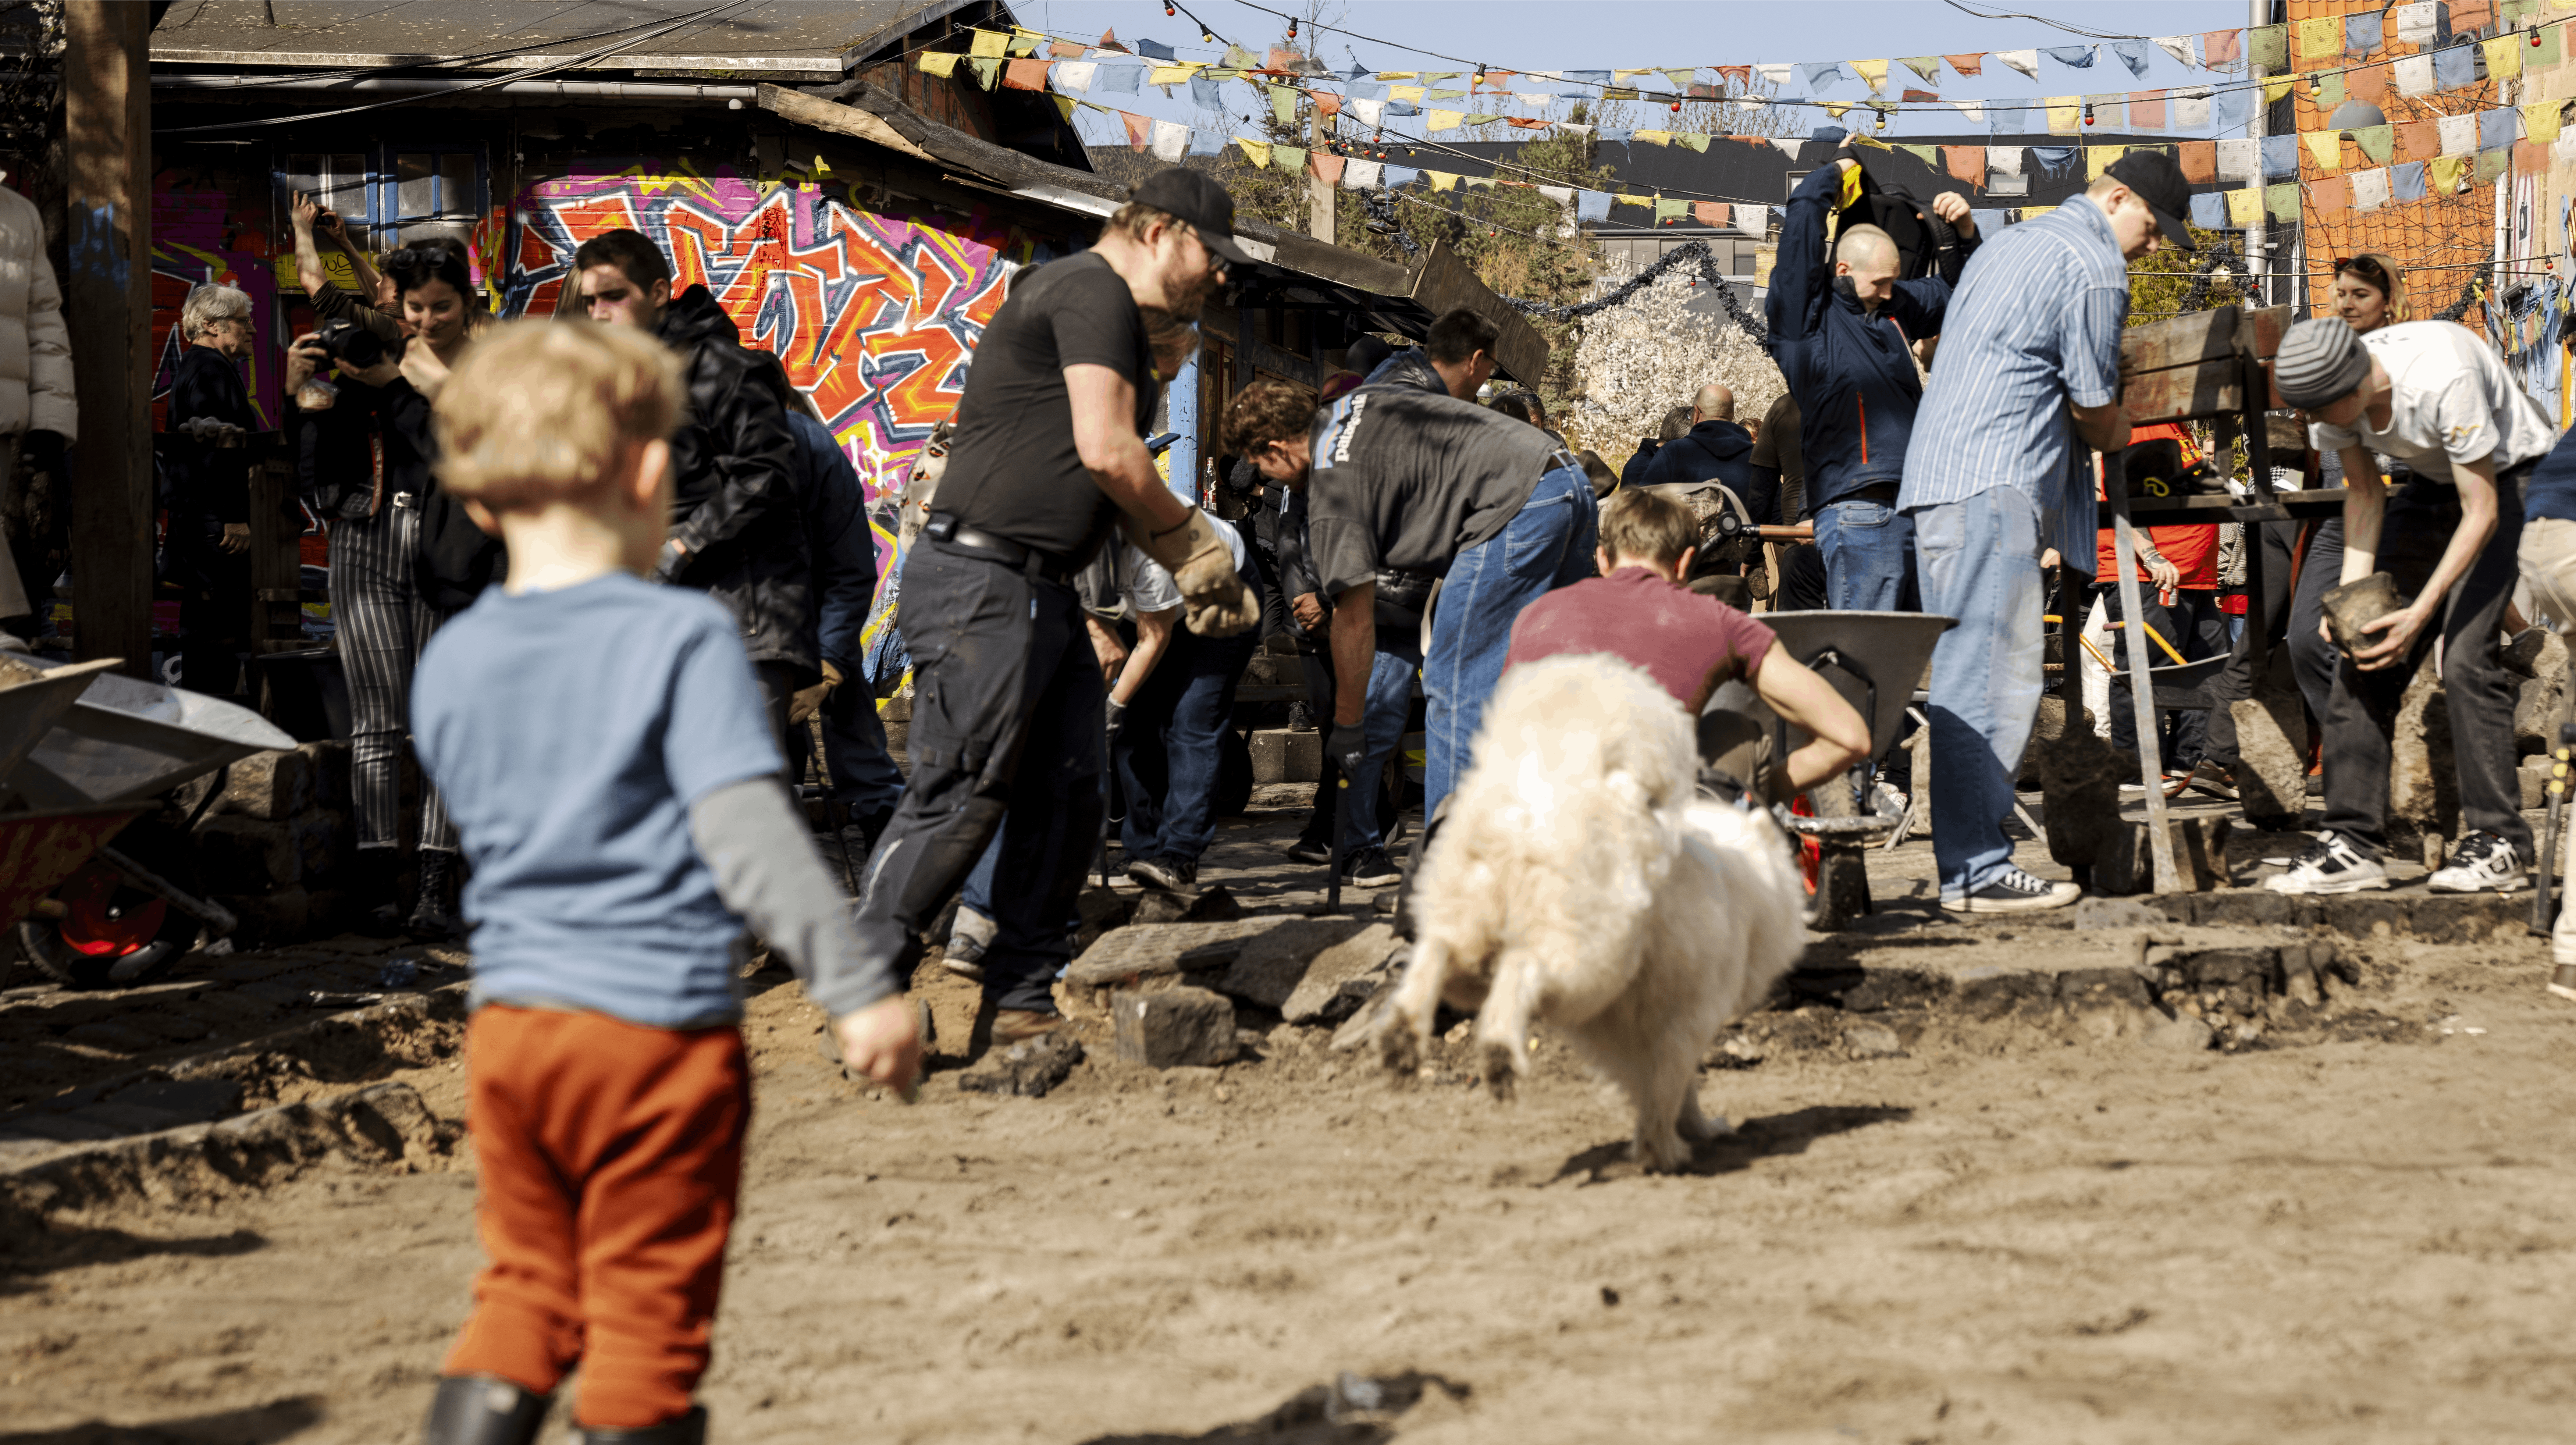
1636,360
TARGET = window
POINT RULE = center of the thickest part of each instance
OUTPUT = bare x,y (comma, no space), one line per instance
338,181
433,193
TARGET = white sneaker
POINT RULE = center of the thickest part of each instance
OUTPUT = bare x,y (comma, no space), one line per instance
2330,865
2015,892
2481,863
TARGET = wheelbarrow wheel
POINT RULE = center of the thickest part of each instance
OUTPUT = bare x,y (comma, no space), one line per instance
1836,873
106,932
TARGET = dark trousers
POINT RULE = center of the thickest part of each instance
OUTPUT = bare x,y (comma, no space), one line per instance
214,608
2313,660
2197,629
863,775
1167,750
2236,681
1006,738
2361,716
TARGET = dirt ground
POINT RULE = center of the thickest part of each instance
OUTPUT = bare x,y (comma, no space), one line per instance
1989,1238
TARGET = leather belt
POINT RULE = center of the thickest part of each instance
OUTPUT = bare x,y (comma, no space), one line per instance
943,527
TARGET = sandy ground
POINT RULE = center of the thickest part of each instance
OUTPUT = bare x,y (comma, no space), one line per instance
1994,1238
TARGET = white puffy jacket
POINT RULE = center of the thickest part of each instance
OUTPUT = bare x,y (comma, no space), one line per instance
35,351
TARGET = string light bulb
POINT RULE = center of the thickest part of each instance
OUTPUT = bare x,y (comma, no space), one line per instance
1170,9
2088,113
1292,29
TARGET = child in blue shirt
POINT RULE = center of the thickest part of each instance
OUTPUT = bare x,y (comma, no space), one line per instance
603,750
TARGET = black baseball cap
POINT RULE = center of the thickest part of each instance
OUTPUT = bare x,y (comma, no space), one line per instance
1195,197
2156,178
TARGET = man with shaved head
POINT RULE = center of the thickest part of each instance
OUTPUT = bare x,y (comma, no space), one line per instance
1717,448
1842,329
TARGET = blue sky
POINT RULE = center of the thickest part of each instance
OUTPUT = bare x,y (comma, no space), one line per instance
1606,34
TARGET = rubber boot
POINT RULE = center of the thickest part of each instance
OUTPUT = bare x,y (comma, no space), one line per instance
689,1429
483,1410
433,914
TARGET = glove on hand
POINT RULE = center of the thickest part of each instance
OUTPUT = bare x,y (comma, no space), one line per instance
1202,566
805,702
1346,745
1117,717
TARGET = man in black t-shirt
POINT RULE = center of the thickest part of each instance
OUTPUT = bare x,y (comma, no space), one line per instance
1398,478
1007,715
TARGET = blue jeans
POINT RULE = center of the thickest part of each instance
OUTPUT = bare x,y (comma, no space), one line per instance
1547,545
854,749
1869,557
1390,700
1166,752
1981,566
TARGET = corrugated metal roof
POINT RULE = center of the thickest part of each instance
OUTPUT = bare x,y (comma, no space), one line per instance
779,37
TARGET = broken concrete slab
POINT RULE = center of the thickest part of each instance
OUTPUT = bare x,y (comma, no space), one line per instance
1211,905
1145,956
1342,977
1264,968
1173,1028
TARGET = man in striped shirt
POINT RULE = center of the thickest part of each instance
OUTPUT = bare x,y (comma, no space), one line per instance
2029,366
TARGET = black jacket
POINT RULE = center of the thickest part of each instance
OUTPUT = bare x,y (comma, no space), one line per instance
207,483
733,468
1409,367
1720,451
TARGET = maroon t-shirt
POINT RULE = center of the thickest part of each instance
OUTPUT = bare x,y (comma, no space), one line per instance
1686,642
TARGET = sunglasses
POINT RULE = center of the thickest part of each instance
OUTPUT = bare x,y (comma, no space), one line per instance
2365,268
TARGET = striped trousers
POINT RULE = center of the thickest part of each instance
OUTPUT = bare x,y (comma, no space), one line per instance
382,623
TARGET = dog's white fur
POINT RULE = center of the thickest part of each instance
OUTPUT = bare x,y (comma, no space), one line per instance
1579,880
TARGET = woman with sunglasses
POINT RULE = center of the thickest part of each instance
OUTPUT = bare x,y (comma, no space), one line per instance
2369,294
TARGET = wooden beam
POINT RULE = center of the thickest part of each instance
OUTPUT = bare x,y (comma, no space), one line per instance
107,296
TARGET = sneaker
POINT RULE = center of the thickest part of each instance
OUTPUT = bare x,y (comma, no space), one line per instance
1165,875
2015,892
1371,868
2481,863
963,957
1310,850
2330,865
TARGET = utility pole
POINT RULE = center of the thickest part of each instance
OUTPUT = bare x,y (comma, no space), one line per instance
1319,192
107,114
2258,239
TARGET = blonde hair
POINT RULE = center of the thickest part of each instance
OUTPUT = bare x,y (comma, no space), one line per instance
209,304
1649,528
539,411
2391,281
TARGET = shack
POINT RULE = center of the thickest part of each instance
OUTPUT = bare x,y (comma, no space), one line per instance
858,217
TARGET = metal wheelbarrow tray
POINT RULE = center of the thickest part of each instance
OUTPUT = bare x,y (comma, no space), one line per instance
123,741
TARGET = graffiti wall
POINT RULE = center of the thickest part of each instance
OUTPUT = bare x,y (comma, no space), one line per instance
875,316
207,228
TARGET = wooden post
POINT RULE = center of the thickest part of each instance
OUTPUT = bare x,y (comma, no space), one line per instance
107,295
2142,687
1319,192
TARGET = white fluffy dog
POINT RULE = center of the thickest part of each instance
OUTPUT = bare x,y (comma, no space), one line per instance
1578,879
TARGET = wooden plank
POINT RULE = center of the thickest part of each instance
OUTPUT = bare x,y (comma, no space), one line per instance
107,296
1444,281
2183,393
2268,325
839,119
2184,341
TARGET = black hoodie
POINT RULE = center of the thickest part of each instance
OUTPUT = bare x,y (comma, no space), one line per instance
733,475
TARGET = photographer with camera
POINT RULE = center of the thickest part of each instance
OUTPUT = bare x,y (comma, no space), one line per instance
403,556
374,309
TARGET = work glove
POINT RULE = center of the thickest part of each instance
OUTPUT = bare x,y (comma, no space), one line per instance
1346,745
1117,718
802,705
1202,566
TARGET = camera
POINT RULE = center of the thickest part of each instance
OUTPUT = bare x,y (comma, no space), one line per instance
350,344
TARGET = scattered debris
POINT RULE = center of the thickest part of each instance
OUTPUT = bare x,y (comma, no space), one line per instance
1028,1070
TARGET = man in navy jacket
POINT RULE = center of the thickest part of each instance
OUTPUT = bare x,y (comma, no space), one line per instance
1842,330
1718,449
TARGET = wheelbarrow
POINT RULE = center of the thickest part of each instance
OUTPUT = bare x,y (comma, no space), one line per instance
1875,660
99,895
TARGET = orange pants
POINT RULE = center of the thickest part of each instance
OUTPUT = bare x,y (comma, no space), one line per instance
611,1156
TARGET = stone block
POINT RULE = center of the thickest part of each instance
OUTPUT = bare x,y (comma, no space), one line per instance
2533,778
239,854
1339,979
2248,908
1987,994
2181,1033
1894,988
2084,988
1173,1028
1872,1041
2227,968
270,787
2092,913
323,841
2364,915
2468,917
2272,752
1030,1069
1141,958
2423,781
2540,657
1265,968
1280,756
2080,777
326,773
1209,905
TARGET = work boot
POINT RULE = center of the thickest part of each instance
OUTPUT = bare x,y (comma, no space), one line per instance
433,914
484,1410
689,1429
